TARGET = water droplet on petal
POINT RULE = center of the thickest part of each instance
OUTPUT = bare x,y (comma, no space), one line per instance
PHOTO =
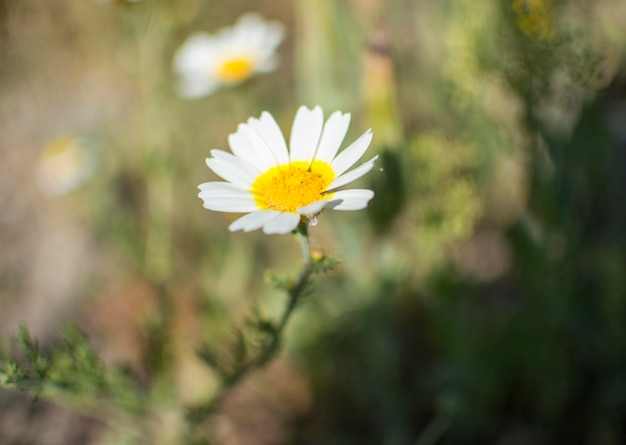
312,221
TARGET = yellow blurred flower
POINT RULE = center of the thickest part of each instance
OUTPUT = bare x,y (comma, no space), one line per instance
534,19
207,62
63,165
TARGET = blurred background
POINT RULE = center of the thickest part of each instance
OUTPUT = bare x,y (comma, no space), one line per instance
481,298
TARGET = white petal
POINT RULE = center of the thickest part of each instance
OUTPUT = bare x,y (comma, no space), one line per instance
334,132
215,191
234,205
249,168
253,221
268,129
313,208
355,199
249,146
253,33
248,29
193,64
267,65
193,87
305,133
273,35
242,147
195,53
224,189
352,175
217,185
283,223
232,170
353,153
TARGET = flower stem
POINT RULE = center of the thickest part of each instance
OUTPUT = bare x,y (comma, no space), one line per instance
269,351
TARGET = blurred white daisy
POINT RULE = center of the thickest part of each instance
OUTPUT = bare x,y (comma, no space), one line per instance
277,186
63,165
206,62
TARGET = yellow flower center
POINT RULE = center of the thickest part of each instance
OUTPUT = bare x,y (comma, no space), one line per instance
235,69
533,18
288,187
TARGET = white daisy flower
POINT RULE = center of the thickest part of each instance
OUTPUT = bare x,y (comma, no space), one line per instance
63,165
206,62
277,186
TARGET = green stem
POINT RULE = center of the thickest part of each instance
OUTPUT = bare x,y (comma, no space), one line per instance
271,349
157,163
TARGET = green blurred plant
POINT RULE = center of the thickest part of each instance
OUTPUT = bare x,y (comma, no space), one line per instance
251,355
72,371
449,205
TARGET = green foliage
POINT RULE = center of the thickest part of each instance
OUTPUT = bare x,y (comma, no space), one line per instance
406,344
76,369
32,376
390,188
537,355
72,371
261,341
449,204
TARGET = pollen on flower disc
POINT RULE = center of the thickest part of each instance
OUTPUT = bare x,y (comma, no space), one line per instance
288,187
